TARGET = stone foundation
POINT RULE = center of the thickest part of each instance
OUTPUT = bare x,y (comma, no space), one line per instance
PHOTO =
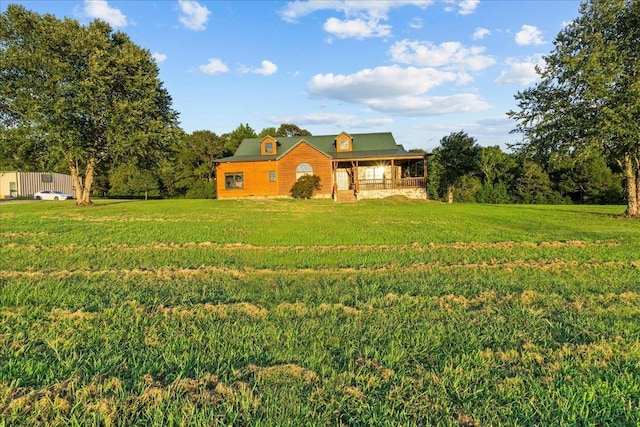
410,193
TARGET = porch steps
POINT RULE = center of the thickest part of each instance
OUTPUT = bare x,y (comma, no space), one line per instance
345,196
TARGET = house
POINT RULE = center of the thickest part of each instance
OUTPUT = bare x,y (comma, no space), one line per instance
25,184
350,167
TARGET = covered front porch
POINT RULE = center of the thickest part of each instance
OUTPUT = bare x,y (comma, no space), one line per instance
366,178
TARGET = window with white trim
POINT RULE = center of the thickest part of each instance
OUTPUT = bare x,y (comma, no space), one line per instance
303,169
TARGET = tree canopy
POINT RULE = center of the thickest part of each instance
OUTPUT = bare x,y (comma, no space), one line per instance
81,96
588,98
458,155
288,130
236,136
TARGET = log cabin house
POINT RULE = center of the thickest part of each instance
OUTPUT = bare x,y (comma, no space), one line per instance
350,167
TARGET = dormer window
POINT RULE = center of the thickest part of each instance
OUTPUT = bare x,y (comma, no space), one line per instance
344,143
268,146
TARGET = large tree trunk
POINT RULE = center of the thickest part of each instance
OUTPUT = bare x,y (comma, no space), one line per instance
450,190
75,177
88,183
82,187
632,177
637,186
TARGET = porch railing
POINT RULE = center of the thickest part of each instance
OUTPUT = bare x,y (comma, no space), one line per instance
385,184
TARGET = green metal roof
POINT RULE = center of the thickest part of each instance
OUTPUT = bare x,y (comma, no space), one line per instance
365,145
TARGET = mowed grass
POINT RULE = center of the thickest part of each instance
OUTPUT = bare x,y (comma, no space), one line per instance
291,313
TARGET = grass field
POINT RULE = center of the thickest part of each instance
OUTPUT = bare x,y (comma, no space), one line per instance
295,313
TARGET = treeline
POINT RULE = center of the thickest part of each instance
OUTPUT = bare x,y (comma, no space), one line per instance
460,170
187,169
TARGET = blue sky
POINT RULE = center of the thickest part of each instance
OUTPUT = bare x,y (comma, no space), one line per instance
419,69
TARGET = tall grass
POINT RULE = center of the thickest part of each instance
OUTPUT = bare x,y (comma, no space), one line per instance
314,313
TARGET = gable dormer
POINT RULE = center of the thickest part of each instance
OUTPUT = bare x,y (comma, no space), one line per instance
344,143
269,146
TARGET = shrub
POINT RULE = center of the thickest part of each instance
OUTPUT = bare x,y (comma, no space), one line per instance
305,186
493,194
201,190
466,188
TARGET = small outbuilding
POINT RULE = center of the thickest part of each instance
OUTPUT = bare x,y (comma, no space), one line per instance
15,185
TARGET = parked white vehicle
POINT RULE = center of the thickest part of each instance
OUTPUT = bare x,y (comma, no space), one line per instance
52,195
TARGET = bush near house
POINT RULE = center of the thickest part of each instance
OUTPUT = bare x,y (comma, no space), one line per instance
201,190
305,186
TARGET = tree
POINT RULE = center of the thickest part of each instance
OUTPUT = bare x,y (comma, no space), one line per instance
457,155
128,179
496,165
533,185
467,189
497,169
200,150
270,131
490,193
82,95
234,138
201,190
587,180
288,130
191,170
588,98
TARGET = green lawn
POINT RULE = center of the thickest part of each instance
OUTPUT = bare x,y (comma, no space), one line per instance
292,313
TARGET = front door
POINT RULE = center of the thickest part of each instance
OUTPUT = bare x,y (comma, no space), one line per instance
342,178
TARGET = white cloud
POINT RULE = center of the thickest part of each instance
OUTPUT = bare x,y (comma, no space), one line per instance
416,23
340,121
520,72
297,9
381,82
356,28
481,33
450,55
529,35
431,106
266,69
467,7
362,19
395,90
159,57
464,79
100,9
193,15
214,66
